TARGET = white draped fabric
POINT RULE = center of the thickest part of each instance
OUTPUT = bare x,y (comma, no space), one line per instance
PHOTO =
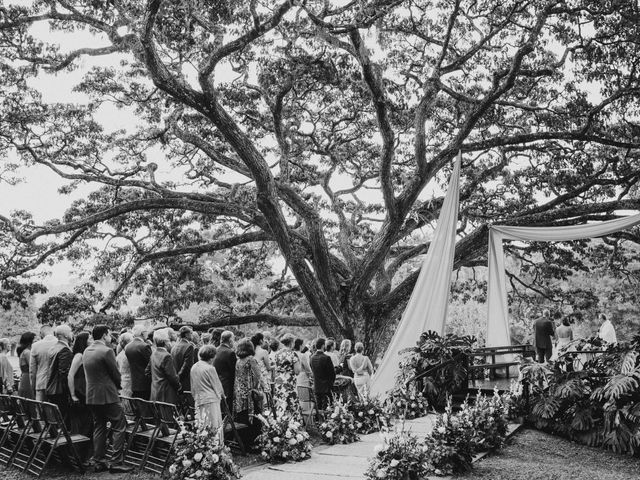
427,307
498,311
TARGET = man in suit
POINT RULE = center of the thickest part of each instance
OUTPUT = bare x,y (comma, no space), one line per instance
138,352
60,356
544,329
165,384
103,383
225,364
183,356
39,362
324,374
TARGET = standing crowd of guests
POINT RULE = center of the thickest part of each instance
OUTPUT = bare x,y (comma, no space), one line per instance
85,374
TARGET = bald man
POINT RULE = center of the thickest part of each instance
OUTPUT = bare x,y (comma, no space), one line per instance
60,357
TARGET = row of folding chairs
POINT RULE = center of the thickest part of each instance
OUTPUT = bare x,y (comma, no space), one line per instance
33,433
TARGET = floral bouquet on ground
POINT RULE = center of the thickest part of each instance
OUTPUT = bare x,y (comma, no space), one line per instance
407,404
369,415
200,456
488,418
400,457
339,425
451,445
283,439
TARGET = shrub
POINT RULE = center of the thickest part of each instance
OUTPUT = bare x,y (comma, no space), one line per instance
339,425
400,457
433,350
406,403
200,456
599,404
283,439
369,415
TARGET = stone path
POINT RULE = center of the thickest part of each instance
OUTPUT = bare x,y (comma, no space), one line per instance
336,461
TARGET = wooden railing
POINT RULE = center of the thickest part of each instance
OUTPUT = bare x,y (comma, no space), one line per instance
497,358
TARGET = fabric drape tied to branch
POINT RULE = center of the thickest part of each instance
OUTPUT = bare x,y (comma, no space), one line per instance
497,308
427,307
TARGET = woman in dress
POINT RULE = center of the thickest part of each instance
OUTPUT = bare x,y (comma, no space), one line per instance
248,394
303,378
264,362
81,418
24,354
165,382
123,365
344,357
207,391
6,370
362,371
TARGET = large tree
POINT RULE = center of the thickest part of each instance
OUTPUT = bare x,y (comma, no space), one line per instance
325,128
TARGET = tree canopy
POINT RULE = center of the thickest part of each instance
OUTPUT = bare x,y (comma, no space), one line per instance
324,130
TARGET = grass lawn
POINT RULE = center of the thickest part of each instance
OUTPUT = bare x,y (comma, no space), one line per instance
534,455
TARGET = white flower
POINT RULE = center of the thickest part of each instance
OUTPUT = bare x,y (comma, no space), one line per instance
394,463
371,412
334,415
265,454
292,441
276,439
299,437
172,469
381,473
288,434
399,404
379,448
441,429
328,434
199,473
197,457
214,458
437,471
186,463
285,454
361,414
414,405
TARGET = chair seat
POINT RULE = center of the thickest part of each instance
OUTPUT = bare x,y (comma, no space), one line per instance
75,438
168,439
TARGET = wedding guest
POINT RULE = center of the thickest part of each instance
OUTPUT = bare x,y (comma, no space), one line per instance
248,396
304,375
24,358
216,333
544,330
80,415
330,351
6,370
59,366
344,357
138,353
362,371
165,383
103,383
123,364
182,354
607,331
274,346
207,391
564,332
264,362
324,375
39,361
225,363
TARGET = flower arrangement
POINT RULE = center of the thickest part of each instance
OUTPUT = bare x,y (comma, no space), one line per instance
339,425
369,415
201,456
401,457
451,443
488,420
283,439
407,404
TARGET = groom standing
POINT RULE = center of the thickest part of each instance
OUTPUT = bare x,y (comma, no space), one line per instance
544,329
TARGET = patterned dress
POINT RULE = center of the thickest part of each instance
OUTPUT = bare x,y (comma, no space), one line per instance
286,394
